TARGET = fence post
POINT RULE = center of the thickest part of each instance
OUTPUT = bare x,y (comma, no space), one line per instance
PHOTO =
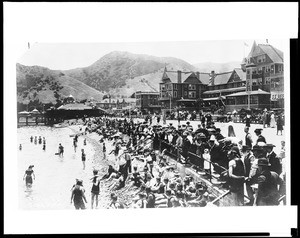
209,172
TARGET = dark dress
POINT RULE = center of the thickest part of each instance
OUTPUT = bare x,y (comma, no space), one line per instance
279,124
28,178
78,198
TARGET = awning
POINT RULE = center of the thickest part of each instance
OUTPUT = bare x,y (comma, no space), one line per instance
186,100
257,92
76,106
225,90
213,99
24,113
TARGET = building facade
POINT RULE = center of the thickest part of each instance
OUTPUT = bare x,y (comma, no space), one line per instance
181,89
116,104
147,101
258,84
264,68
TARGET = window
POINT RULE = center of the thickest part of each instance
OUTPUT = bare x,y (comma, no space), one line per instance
185,93
253,99
175,94
248,71
175,86
192,95
192,87
241,100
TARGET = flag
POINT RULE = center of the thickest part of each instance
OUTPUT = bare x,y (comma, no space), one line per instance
245,44
28,45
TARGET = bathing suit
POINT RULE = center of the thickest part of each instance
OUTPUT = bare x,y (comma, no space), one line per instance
96,188
28,178
83,156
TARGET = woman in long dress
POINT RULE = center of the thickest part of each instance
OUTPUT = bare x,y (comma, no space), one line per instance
232,137
272,121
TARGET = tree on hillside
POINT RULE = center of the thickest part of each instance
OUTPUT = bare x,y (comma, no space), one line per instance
106,96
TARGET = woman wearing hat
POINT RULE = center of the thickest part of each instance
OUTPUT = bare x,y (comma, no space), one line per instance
28,176
272,120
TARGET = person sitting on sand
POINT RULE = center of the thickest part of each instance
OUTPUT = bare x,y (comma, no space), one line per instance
141,202
110,171
114,202
136,177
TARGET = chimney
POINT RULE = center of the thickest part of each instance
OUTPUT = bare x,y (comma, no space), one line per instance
198,75
212,78
178,76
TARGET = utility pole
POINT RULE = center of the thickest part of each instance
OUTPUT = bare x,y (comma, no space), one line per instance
170,101
249,81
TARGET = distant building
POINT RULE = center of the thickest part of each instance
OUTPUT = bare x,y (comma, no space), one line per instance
116,104
147,101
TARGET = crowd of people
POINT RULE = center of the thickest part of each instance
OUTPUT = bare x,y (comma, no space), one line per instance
143,158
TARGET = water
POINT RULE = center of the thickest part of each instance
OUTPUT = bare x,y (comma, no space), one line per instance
56,175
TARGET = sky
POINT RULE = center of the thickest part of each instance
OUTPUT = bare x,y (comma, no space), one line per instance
63,56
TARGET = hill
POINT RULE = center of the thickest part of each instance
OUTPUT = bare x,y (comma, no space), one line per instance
118,73
121,72
40,84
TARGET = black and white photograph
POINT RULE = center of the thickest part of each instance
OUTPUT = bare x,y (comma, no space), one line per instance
151,125
141,131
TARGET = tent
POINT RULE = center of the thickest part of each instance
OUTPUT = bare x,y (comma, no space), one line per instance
35,111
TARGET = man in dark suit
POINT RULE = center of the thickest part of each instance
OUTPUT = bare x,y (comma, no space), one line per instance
273,159
248,159
267,190
260,138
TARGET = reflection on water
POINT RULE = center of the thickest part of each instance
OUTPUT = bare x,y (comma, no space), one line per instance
54,175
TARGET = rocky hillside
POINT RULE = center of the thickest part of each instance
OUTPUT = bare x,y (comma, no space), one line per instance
123,72
40,84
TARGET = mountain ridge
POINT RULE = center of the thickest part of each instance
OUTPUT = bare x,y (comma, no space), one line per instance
118,73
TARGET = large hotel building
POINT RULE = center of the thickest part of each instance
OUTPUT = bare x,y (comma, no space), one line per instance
259,79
